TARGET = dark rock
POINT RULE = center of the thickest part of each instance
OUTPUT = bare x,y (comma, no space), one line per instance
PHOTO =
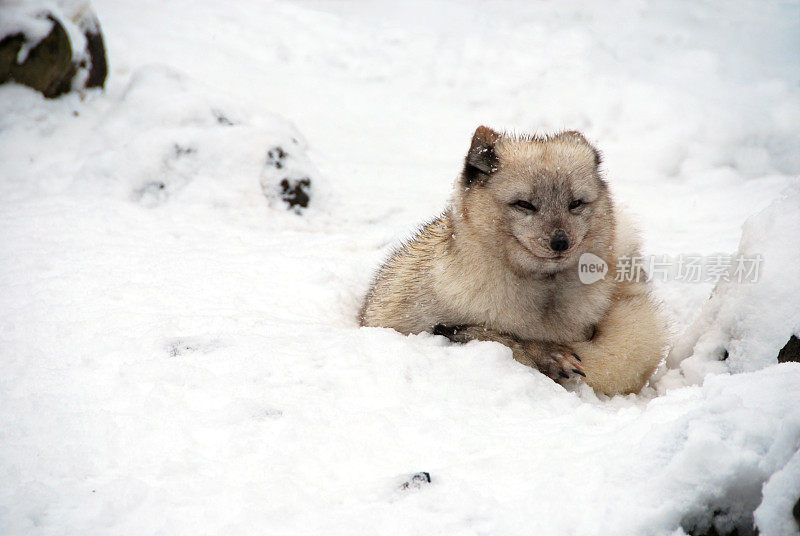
295,192
284,179
96,49
47,65
790,352
52,65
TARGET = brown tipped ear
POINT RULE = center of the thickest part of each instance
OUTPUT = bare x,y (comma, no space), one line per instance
481,158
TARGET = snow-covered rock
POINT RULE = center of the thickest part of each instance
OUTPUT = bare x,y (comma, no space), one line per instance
52,46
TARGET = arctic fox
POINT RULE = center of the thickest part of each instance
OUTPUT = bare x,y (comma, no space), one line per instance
502,264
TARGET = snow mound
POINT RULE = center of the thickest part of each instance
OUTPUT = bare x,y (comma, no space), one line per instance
778,513
746,323
162,139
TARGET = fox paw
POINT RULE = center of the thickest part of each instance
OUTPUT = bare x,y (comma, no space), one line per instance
556,361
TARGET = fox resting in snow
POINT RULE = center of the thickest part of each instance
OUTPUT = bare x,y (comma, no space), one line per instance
502,264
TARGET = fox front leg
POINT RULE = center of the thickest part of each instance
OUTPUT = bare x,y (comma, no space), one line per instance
556,361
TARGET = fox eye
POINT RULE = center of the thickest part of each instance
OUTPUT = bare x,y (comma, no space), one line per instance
575,204
521,203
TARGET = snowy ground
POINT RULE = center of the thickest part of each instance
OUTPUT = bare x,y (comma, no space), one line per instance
182,357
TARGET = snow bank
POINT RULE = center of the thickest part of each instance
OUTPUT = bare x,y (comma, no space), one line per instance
748,322
778,512
166,135
161,138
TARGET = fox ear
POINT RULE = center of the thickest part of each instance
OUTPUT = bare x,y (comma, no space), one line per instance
574,134
481,158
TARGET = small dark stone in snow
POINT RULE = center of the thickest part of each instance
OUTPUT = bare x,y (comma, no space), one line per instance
180,350
416,481
181,151
295,191
221,119
152,193
184,346
276,156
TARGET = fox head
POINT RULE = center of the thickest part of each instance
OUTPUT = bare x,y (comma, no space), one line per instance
539,202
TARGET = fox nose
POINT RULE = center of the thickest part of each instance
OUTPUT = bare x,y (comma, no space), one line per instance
559,242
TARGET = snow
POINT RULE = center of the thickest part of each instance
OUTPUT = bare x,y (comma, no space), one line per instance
185,359
744,318
773,516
